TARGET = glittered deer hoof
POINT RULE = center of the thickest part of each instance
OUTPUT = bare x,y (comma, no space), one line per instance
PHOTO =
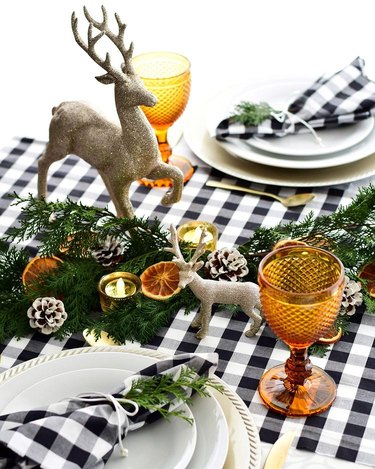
200,334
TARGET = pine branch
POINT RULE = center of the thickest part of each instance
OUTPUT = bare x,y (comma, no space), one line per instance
249,114
155,392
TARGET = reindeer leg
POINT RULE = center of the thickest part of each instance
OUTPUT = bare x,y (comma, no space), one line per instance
164,170
118,191
205,320
197,321
257,321
48,157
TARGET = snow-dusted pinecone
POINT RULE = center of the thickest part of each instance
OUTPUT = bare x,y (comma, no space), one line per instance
351,297
226,264
47,314
109,253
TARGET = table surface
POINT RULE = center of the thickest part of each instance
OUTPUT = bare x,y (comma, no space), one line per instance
242,360
226,43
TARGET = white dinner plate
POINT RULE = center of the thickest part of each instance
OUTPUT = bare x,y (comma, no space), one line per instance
215,155
90,368
279,94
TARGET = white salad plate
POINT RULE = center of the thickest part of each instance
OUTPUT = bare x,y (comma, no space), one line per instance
279,94
222,156
169,444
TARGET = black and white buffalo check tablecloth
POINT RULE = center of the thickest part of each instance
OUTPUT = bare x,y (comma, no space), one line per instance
347,430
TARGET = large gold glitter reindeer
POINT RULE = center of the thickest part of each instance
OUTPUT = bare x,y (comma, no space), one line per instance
120,154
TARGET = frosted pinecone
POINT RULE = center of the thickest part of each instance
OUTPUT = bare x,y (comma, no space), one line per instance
109,253
351,297
226,264
47,314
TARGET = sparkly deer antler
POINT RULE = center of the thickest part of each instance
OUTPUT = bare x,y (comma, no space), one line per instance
245,294
120,154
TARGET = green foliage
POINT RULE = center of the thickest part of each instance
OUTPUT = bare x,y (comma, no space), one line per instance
251,113
153,393
349,232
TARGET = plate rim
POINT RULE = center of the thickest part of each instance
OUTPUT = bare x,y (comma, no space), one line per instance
235,400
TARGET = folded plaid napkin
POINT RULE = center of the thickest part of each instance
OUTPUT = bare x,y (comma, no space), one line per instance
346,97
82,432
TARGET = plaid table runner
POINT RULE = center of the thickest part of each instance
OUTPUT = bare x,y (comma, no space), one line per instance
347,430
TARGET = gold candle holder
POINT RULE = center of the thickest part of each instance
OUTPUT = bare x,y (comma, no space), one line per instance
116,288
191,231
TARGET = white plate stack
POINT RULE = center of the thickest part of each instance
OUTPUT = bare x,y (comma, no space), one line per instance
346,153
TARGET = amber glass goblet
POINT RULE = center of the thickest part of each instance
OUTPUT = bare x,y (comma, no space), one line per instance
300,291
167,76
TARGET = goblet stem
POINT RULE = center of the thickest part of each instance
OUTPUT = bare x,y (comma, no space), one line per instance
164,147
297,368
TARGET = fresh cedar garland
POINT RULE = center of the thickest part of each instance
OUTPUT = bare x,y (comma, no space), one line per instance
70,230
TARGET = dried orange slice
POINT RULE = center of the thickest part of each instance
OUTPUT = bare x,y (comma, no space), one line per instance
160,281
37,266
283,243
332,336
368,273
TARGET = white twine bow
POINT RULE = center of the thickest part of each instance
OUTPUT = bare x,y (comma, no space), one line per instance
282,116
119,409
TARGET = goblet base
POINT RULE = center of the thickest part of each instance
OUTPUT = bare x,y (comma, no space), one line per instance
315,395
182,163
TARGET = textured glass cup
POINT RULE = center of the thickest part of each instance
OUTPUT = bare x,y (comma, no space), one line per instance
167,76
300,291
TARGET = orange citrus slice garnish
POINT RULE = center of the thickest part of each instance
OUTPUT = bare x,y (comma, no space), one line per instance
368,273
37,266
160,281
332,336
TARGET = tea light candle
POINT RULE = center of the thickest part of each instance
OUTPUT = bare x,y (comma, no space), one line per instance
191,232
117,287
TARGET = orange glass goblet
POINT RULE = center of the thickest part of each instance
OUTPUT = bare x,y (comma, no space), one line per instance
167,76
300,291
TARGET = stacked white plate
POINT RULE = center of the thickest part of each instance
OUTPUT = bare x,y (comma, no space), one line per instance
223,434
345,154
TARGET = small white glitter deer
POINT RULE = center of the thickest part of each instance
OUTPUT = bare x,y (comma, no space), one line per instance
244,294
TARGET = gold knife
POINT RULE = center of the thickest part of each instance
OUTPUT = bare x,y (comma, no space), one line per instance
279,451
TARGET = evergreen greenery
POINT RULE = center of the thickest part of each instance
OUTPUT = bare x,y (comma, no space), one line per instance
153,393
70,230
248,114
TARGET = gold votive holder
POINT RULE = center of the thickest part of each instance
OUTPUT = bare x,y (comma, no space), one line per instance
117,288
191,231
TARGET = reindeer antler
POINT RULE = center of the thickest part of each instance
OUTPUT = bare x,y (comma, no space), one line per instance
175,249
200,248
102,26
117,39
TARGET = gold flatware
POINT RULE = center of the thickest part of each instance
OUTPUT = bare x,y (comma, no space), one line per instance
279,451
291,201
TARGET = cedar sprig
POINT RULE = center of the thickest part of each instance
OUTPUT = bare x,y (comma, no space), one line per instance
140,318
155,392
248,113
81,228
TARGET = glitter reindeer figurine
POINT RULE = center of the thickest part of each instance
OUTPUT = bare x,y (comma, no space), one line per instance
120,154
245,294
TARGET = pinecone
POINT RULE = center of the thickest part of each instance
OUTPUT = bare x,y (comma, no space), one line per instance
226,264
47,314
351,297
109,253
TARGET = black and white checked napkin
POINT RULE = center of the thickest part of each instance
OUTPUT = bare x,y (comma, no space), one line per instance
82,432
345,97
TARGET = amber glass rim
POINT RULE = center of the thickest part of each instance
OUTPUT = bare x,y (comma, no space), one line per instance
333,287
166,53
